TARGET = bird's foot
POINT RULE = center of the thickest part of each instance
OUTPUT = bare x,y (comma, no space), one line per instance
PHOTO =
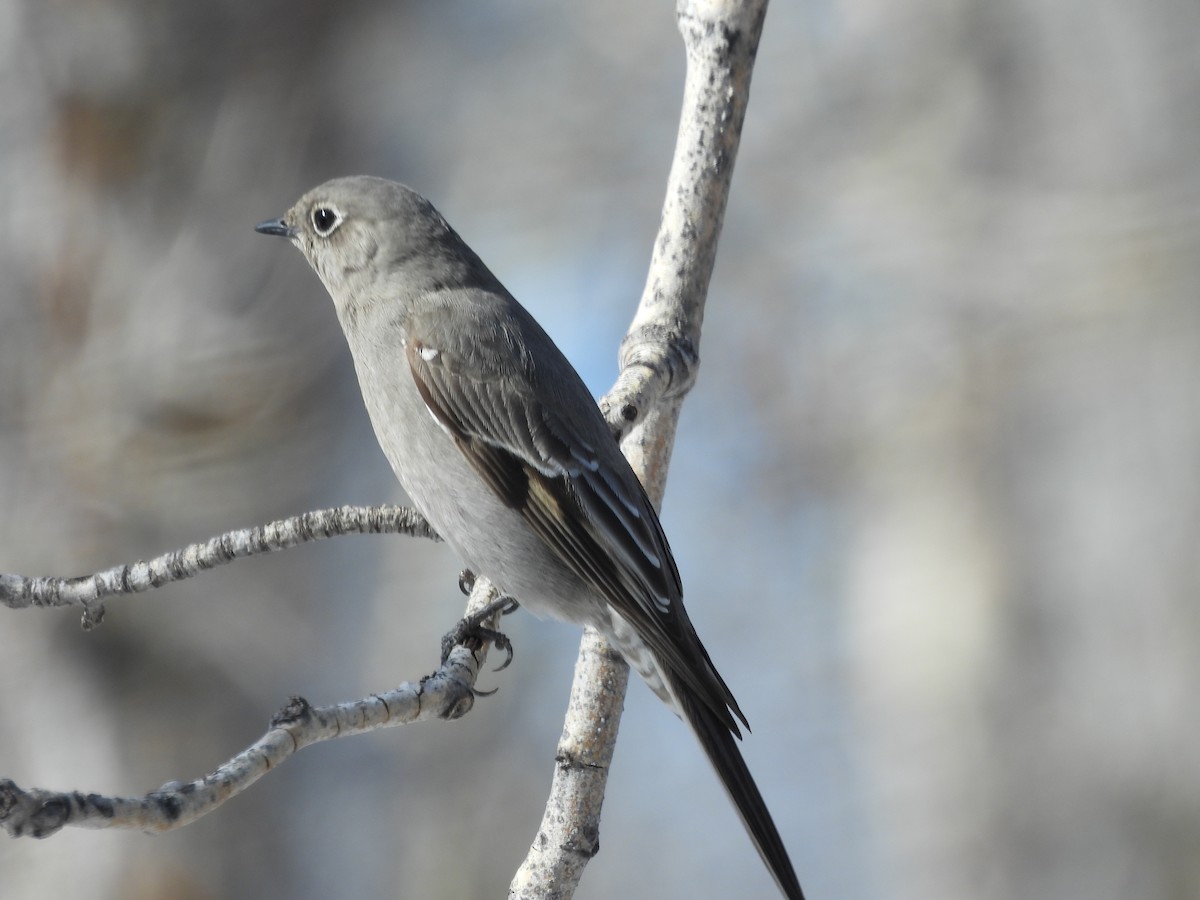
471,632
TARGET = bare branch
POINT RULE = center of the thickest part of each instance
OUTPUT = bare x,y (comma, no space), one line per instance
19,591
570,830
660,352
659,359
448,693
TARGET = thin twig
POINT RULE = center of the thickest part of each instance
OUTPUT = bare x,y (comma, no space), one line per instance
446,694
19,591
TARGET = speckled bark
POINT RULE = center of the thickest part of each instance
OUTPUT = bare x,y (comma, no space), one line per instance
446,694
17,591
659,359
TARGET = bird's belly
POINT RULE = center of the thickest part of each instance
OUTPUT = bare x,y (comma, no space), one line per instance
490,537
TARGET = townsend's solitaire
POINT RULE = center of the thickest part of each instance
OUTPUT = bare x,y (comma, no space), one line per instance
500,445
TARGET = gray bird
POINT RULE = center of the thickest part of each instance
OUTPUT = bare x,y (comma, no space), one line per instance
500,445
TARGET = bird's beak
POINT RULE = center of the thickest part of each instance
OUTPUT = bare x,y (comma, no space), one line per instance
277,227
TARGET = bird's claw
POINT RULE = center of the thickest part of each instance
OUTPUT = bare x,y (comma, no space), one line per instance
466,582
471,632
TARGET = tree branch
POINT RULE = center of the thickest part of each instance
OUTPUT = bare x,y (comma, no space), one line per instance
446,694
659,359
19,591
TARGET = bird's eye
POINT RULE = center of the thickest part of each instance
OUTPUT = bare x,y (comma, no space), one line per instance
325,220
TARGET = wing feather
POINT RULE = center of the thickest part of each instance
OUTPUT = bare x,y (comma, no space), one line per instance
578,495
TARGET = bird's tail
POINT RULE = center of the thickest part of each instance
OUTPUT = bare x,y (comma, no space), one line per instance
722,749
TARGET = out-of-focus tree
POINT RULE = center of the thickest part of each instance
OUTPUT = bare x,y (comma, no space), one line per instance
941,455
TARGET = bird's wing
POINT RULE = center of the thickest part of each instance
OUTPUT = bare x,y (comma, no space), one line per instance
538,440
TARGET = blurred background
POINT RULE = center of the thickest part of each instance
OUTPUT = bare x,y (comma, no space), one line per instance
935,498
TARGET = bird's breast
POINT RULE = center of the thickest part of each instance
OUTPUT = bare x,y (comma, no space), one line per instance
491,537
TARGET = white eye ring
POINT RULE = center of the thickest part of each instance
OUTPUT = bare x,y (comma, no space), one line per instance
325,220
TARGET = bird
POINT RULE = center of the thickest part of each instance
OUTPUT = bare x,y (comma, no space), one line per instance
499,444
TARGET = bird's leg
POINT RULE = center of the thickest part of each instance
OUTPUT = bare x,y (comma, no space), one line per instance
471,632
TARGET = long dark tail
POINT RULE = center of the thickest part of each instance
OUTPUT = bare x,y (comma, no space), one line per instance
722,749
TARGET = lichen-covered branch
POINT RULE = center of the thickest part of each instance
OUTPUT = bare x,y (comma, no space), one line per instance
659,359
17,591
446,694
